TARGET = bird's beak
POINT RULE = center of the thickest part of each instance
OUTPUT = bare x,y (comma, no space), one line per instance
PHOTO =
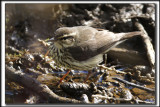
50,40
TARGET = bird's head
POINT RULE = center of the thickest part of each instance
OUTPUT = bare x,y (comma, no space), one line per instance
64,37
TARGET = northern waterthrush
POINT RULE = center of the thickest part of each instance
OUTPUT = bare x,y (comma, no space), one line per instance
82,47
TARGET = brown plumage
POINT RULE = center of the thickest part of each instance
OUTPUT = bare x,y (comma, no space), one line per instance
82,47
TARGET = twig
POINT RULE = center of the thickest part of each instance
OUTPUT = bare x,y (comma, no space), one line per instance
111,69
44,42
111,98
134,85
147,43
13,49
121,99
146,102
41,89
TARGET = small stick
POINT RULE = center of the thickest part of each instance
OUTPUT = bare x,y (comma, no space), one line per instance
134,85
147,43
111,69
44,42
146,102
14,49
111,98
120,99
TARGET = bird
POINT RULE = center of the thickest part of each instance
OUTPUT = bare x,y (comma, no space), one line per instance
83,47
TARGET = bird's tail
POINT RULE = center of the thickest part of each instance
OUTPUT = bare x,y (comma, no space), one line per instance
124,36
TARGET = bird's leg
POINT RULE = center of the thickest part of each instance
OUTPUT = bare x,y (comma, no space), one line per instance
105,59
60,81
89,73
46,53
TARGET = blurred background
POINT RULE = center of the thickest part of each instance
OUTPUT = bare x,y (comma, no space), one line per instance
25,23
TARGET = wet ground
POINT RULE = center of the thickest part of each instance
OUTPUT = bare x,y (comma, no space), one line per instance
126,76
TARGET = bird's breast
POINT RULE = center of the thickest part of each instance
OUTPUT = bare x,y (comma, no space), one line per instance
65,59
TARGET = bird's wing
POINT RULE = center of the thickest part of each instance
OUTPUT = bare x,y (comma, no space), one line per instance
98,44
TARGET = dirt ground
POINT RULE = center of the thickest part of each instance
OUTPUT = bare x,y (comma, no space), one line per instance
126,76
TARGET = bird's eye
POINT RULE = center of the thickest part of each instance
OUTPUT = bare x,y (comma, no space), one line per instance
67,37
